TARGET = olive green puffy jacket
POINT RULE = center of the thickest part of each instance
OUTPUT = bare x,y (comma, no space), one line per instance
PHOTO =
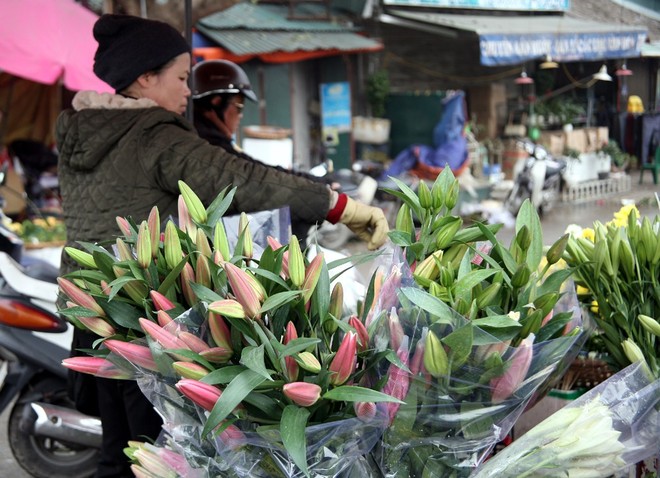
120,157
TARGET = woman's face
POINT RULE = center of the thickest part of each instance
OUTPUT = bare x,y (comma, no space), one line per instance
233,112
169,88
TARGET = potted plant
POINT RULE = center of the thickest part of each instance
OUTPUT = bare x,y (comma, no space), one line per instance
374,129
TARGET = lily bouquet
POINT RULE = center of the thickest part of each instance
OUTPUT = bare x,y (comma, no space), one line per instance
617,268
613,426
480,328
249,359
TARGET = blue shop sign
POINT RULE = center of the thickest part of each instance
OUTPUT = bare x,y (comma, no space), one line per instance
336,106
510,5
503,49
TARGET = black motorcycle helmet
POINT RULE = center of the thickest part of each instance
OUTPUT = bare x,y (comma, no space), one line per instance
216,77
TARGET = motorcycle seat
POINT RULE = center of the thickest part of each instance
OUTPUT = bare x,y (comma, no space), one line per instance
18,279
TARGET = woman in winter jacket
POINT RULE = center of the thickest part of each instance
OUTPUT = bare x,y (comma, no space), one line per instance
122,154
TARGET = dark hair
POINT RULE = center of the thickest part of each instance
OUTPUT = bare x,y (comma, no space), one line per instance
205,104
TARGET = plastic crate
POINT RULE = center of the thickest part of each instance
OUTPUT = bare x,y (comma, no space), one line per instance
596,189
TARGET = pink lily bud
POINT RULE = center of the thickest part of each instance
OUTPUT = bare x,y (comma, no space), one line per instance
275,245
418,357
190,370
398,382
200,393
153,221
361,330
172,246
96,366
365,411
203,271
291,364
165,338
105,287
312,274
396,331
80,297
153,463
188,277
185,222
193,342
505,385
98,326
138,355
218,260
242,288
386,297
160,301
163,318
244,230
296,263
378,282
219,330
302,393
228,308
140,472
174,460
124,226
144,245
217,354
220,242
124,253
345,361
202,244
232,437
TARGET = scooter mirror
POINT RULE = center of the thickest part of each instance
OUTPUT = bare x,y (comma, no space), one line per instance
540,153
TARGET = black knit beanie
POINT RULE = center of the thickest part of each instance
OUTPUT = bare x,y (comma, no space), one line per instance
130,46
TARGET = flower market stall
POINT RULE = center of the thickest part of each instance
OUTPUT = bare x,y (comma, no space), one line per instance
248,352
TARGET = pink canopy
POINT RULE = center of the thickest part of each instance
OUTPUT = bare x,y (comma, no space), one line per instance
45,40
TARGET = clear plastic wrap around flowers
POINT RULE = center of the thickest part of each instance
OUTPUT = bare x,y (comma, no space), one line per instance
243,449
613,426
465,389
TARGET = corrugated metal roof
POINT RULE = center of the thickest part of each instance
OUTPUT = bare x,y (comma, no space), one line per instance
271,17
241,42
247,28
489,24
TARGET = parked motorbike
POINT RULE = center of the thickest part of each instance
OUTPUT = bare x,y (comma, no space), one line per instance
538,178
47,436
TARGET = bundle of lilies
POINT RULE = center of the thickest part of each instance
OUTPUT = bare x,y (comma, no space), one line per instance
259,372
250,359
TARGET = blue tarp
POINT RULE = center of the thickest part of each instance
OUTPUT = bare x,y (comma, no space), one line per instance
449,144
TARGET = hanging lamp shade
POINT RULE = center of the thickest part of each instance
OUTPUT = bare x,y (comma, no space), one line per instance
548,64
523,79
602,74
623,71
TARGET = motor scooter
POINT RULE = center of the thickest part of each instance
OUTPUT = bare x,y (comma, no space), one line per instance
47,436
538,178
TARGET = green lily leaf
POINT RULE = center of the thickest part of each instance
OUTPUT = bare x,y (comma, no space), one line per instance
266,274
233,395
204,293
351,393
321,300
223,375
292,429
460,342
497,322
276,300
296,345
171,278
430,304
219,206
465,284
529,217
253,358
123,313
400,238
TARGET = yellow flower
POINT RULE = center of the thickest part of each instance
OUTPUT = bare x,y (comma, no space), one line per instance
16,227
621,216
581,290
39,222
594,307
588,233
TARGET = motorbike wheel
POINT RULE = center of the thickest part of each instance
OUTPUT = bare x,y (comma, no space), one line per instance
44,457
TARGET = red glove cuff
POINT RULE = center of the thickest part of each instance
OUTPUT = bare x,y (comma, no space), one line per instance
335,213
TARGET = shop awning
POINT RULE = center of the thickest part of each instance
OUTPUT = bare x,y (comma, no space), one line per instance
248,30
509,40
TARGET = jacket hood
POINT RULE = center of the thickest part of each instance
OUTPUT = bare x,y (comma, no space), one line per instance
97,124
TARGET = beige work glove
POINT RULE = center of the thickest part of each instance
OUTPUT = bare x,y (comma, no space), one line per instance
367,222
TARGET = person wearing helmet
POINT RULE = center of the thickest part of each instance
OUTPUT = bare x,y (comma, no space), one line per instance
220,88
